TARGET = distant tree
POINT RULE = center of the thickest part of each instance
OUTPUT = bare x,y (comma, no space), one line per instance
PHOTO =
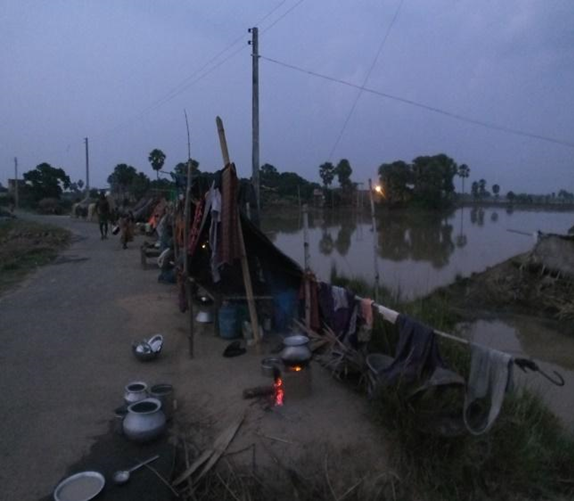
474,189
122,178
268,175
433,180
495,190
327,173
181,167
156,159
511,196
482,193
46,181
463,172
140,185
80,184
343,172
395,179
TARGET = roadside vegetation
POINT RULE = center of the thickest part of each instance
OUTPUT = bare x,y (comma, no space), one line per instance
26,245
527,455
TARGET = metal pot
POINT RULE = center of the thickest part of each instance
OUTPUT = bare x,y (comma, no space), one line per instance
145,420
270,365
164,393
135,391
296,350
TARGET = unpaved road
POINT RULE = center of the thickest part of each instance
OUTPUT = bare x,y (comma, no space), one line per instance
65,357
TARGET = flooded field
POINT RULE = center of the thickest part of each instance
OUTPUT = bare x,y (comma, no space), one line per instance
416,251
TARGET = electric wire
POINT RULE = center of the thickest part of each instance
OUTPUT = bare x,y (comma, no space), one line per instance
282,16
456,116
192,79
367,76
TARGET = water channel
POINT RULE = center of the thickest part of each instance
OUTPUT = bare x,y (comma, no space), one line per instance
418,252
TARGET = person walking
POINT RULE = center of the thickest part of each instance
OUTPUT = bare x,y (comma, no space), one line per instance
126,228
103,210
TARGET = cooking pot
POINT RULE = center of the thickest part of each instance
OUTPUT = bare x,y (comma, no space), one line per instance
296,350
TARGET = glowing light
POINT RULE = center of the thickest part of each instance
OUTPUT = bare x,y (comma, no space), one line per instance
297,368
379,189
204,246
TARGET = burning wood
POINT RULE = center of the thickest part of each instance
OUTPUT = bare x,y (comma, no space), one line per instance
279,391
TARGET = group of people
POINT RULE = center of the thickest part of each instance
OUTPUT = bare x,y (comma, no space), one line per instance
124,220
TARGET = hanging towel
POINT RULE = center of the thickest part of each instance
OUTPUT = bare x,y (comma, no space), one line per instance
339,298
417,353
490,377
367,312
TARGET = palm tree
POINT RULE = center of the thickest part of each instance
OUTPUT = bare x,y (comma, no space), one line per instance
156,159
463,172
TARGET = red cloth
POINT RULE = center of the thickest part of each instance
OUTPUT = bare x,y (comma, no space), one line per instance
194,231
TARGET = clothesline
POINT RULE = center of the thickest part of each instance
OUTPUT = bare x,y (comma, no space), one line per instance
391,316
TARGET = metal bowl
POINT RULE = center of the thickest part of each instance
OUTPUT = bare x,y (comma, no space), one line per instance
81,486
143,351
204,316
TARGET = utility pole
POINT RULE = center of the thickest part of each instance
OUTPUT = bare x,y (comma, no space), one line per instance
255,119
16,182
87,169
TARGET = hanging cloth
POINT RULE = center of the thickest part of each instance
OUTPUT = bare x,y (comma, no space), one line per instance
490,378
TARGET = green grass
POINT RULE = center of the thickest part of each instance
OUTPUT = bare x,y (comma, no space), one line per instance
26,245
526,455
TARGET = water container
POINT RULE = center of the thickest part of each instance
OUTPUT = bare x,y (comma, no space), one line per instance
228,325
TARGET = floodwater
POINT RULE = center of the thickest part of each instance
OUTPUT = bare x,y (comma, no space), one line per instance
541,341
416,251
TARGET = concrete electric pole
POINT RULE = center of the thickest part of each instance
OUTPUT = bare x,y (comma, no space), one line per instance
87,169
255,118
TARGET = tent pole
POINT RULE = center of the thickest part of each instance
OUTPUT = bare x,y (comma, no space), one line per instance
242,250
188,285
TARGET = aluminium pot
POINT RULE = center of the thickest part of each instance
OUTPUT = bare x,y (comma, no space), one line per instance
134,392
296,350
145,420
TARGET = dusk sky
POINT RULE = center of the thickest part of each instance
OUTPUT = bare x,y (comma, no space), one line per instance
105,68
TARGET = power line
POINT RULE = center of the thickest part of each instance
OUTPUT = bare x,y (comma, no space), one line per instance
366,80
282,16
434,109
194,78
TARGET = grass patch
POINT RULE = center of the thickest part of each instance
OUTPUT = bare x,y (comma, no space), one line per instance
526,455
26,245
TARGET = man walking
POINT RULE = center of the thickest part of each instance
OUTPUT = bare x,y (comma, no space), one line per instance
103,210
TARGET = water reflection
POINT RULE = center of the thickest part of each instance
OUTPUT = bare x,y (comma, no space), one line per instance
416,236
416,250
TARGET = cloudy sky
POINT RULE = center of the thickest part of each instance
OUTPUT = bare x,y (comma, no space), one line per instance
121,72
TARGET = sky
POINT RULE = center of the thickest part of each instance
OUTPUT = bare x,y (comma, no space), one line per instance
122,72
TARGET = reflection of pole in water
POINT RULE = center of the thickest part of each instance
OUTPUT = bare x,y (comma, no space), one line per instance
375,240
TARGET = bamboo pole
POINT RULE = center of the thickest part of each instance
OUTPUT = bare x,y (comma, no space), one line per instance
188,288
242,250
375,241
307,267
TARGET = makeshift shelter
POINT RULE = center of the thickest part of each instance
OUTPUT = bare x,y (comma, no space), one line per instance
224,244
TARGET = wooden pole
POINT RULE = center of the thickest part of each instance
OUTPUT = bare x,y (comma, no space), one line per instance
375,241
87,168
186,228
16,182
307,267
242,250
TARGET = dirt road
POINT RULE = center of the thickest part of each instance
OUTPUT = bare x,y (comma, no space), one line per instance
65,357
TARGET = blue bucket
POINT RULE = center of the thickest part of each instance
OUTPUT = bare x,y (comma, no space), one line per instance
228,325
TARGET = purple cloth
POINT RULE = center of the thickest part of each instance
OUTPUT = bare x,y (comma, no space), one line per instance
417,353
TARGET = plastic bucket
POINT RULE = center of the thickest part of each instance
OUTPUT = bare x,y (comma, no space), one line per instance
228,325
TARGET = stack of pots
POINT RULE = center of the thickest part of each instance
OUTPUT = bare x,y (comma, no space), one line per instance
145,419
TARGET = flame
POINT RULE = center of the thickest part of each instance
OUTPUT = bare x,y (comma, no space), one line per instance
296,368
279,392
